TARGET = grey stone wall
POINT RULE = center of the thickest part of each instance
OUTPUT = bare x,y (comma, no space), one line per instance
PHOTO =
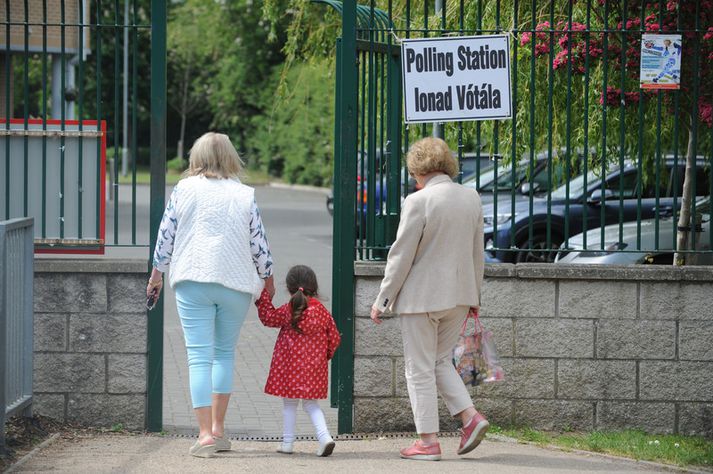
583,347
90,341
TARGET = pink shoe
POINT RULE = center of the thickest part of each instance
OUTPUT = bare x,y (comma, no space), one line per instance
473,433
419,452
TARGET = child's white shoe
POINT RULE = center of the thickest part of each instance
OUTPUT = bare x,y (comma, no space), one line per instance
285,448
326,446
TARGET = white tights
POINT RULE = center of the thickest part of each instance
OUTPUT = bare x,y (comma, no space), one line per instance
289,416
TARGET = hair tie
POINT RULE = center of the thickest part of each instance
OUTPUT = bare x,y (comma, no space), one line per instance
301,289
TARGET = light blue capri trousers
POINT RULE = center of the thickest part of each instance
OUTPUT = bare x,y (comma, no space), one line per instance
211,316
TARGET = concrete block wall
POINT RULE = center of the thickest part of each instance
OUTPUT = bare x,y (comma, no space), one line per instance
90,341
583,348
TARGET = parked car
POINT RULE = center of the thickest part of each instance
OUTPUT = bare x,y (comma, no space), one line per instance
599,203
538,180
607,251
471,163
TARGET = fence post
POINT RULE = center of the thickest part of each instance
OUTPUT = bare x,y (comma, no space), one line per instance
154,401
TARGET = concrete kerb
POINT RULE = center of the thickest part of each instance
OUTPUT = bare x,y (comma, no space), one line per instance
27,457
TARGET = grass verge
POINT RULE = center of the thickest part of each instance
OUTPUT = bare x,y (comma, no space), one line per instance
692,451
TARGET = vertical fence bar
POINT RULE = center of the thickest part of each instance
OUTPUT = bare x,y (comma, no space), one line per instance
8,112
657,167
99,177
339,166
80,176
622,119
461,145
362,150
640,158
692,161
43,218
513,158
28,243
550,111
568,132
134,114
533,90
117,121
605,48
343,250
676,131
154,402
3,317
585,162
26,110
62,106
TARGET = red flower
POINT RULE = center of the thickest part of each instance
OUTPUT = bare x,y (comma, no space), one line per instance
541,49
525,39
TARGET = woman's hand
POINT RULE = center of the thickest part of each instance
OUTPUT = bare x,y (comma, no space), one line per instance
155,284
375,315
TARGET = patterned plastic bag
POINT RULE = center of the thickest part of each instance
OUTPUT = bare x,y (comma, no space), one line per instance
475,357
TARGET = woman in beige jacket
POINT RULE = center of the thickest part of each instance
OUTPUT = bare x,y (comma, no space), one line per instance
433,275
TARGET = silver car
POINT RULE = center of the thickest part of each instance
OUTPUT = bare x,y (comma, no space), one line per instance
613,252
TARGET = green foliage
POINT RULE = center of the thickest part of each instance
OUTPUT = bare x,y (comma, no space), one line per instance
177,164
296,139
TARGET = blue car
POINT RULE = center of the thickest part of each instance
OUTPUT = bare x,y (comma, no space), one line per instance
596,204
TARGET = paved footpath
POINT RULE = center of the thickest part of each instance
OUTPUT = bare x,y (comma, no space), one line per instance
300,231
139,454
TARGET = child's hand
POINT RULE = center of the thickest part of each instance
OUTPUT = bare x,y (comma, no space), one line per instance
270,285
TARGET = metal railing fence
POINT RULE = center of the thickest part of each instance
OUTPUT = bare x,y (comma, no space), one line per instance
74,101
16,319
586,147
83,88
579,117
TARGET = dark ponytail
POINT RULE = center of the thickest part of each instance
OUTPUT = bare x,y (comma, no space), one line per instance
301,283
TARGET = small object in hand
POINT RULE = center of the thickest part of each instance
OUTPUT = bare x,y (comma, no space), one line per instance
152,299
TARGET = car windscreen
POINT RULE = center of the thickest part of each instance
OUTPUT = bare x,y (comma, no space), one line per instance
504,181
576,187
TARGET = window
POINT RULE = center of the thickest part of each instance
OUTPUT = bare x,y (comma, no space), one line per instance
628,187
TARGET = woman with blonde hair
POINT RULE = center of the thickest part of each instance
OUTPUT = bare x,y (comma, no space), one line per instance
213,238
433,275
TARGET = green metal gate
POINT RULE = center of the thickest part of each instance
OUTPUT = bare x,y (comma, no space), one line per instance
578,112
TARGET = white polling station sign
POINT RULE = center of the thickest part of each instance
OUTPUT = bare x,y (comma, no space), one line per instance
456,78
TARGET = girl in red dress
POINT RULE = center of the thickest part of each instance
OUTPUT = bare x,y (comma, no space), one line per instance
307,341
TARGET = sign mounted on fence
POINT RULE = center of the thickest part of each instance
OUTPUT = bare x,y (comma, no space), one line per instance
56,174
660,62
456,78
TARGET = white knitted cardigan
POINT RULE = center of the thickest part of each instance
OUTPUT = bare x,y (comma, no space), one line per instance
212,243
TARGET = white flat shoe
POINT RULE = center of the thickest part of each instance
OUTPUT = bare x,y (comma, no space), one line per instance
285,448
206,451
222,443
326,447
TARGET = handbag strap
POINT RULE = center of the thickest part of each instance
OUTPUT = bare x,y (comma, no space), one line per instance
472,313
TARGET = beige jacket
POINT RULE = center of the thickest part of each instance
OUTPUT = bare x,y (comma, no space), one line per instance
437,260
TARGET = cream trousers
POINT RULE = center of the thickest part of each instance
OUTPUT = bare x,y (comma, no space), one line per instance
429,339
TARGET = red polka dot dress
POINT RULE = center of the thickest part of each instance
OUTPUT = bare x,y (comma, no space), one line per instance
299,361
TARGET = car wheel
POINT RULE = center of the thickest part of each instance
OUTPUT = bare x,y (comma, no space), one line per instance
539,252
